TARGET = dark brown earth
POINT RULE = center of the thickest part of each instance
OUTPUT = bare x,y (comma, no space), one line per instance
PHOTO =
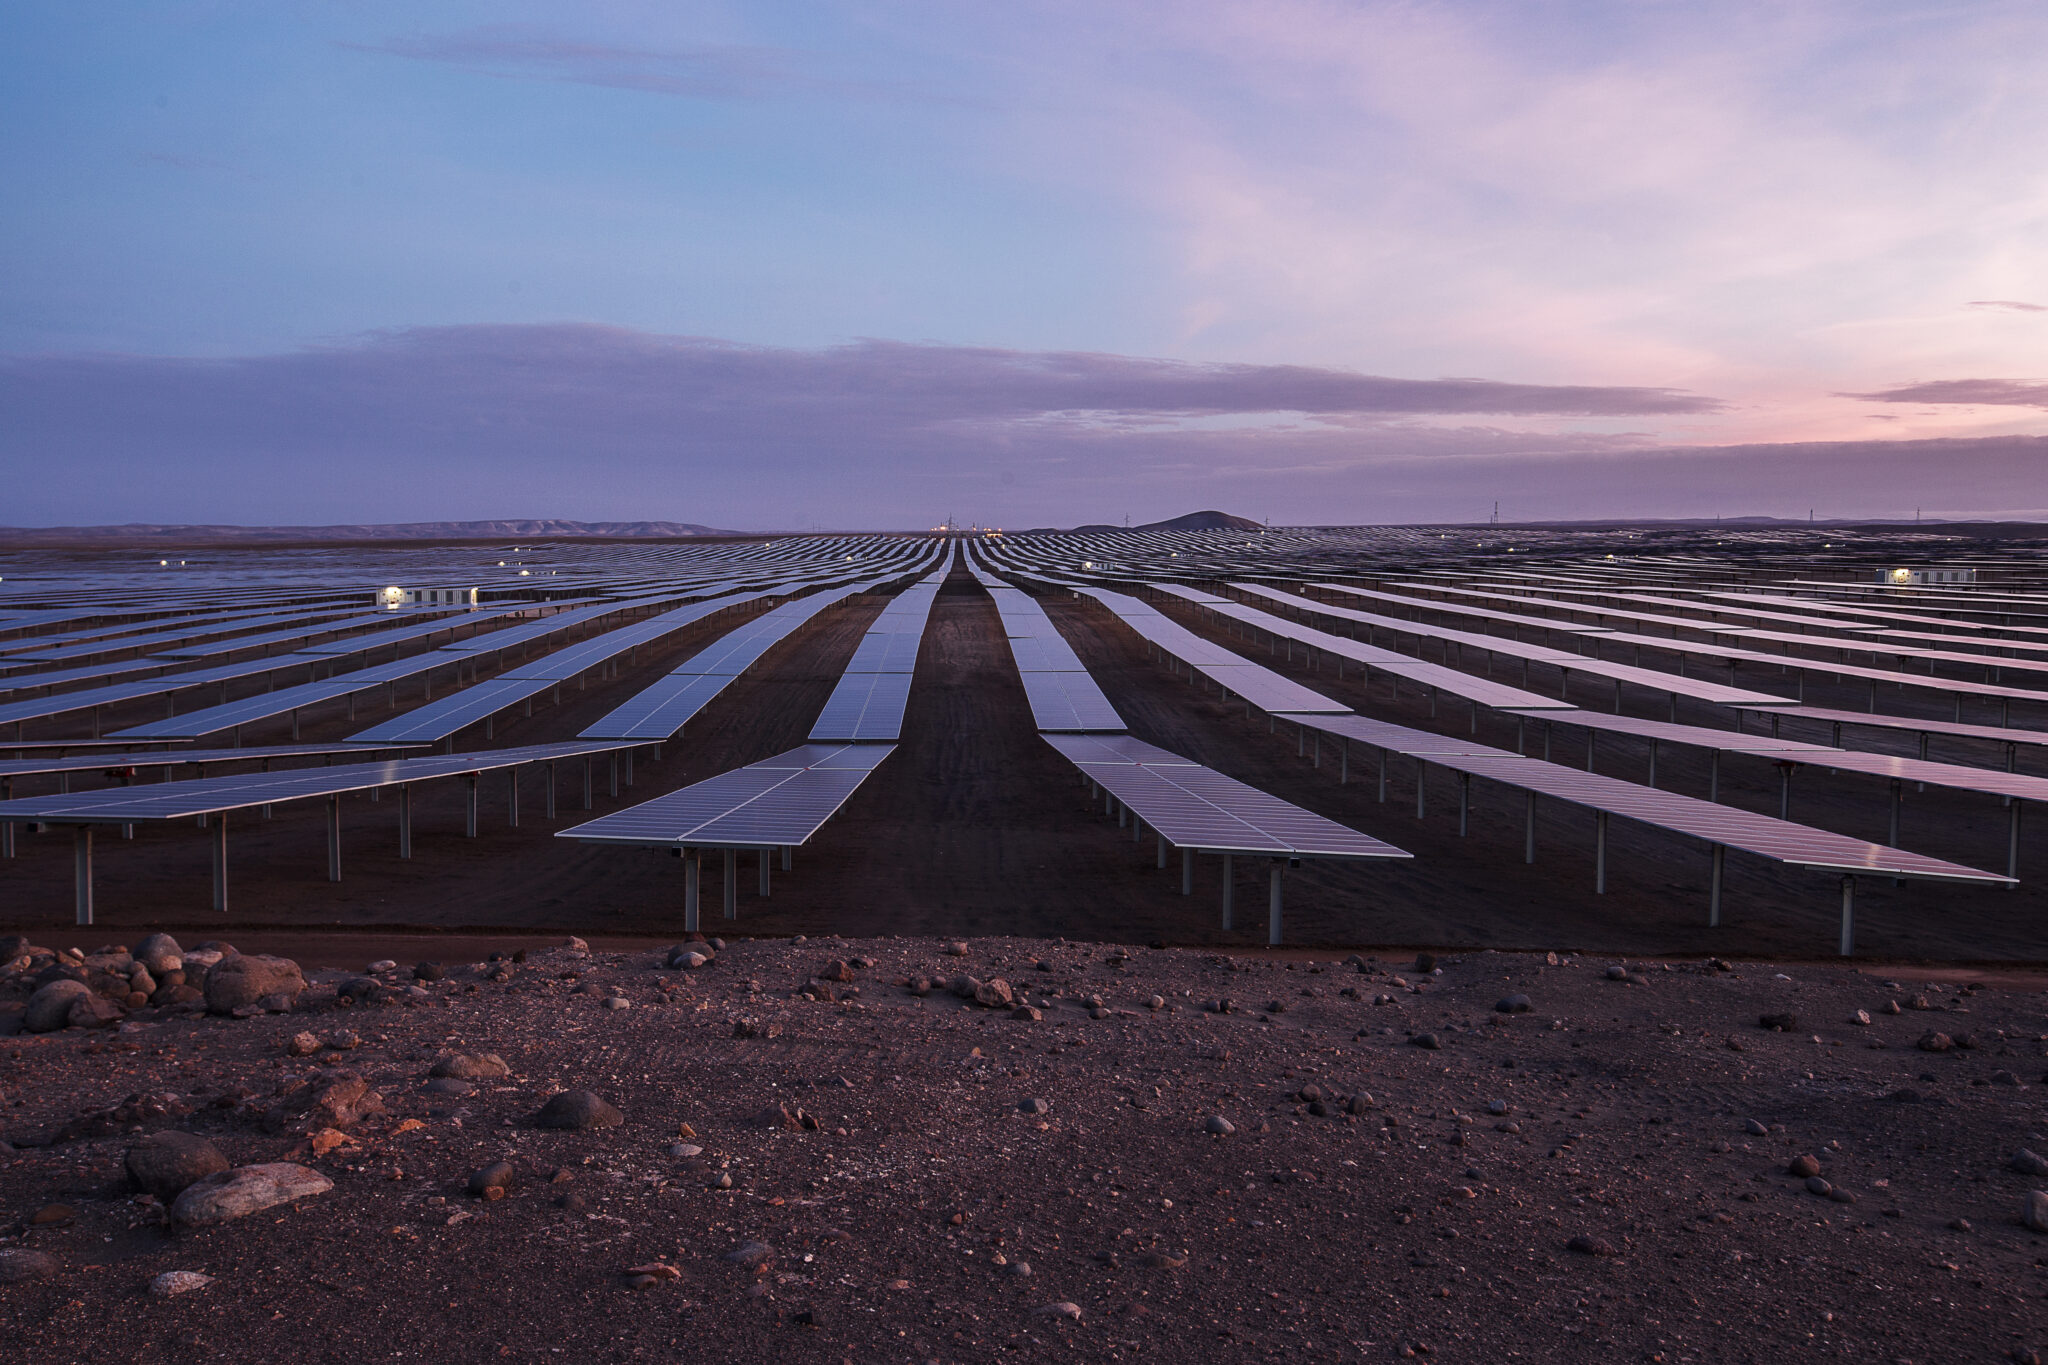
1409,1219
976,826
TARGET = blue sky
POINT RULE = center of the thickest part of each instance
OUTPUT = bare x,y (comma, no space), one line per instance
873,264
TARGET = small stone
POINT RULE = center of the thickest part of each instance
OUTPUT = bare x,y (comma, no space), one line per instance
1816,1185
1033,1106
1063,1310
1425,962
469,1066
449,1085
1020,1269
1617,973
1804,1167
685,1149
1860,1017
383,964
1890,1007
1778,1023
1514,1004
302,1045
994,994
499,1176
578,1110
173,1282
956,950
1590,1246
2035,1216
618,1002
428,971
53,1216
1754,1128
1157,1002
2029,1163
751,1254
1427,1040
1496,1107
1842,1196
342,1041
1220,1126
18,1264
690,961
245,1190
1028,1013
250,979
1935,1041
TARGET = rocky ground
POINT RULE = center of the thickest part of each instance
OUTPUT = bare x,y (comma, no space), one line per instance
909,1150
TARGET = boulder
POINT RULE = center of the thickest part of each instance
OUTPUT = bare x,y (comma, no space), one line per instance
234,982
94,1011
164,1164
577,1109
227,1195
327,1099
995,994
160,953
49,1009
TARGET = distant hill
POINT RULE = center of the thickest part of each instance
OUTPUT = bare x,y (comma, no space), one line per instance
1193,521
541,529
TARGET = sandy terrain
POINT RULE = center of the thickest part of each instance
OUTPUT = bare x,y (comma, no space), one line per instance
1377,1199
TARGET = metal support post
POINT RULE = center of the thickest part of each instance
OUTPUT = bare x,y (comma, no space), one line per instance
690,871
2012,844
786,852
469,782
1653,763
1529,828
732,890
763,890
1229,872
587,762
1714,775
334,837
615,775
551,790
81,872
220,863
1273,905
1421,788
1464,801
1600,853
1162,851
512,797
629,767
1720,863
1187,872
1848,944
405,820
1784,791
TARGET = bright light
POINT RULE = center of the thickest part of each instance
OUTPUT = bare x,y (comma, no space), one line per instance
526,573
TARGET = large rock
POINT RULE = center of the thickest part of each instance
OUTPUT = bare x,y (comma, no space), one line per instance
160,953
164,1164
577,1109
49,1009
94,1011
326,1099
234,982
237,1193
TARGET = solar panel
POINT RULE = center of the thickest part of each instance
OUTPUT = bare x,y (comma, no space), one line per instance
167,758
864,707
1069,701
887,651
778,802
1044,654
1087,749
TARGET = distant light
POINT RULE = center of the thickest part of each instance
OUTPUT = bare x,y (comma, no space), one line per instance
164,563
526,573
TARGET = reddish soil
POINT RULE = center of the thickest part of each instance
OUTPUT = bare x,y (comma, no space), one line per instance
976,826
1431,1210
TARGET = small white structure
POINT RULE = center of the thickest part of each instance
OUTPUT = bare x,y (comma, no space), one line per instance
394,597
1908,577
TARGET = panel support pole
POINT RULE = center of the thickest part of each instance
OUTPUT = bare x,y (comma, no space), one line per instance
1464,801
1273,905
2012,845
1229,871
469,820
1848,944
690,869
1187,872
1162,850
551,790
1720,864
732,890
1529,828
765,856
512,797
1600,853
405,820
81,872
220,863
334,837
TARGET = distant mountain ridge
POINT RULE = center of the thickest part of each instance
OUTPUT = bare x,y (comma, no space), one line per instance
1210,520
534,529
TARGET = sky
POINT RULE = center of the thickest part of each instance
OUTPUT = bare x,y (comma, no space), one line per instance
874,265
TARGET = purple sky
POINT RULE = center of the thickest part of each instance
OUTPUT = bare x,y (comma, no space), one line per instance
877,264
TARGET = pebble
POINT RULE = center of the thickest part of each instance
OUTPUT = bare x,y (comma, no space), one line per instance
302,1045
1496,1107
165,1163
1065,1311
1514,1004
685,1149
2035,1215
237,1193
1778,1023
498,1176
449,1085
18,1264
751,1254
1860,1017
1617,973
383,964
956,950
1427,1040
2029,1163
1034,1106
178,1282
1754,1128
1218,1125
1590,1246
1816,1185
472,1066
1935,1041
1804,1167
